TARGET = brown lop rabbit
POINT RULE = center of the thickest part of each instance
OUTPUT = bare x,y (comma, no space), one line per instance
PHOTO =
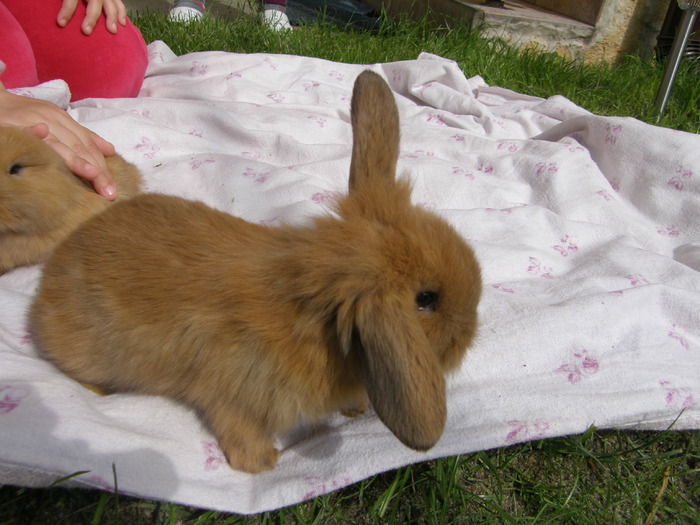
41,201
258,326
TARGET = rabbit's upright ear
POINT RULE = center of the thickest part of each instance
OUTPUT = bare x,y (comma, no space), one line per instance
402,376
375,131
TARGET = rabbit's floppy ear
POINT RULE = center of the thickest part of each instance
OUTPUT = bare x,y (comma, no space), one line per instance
403,378
375,132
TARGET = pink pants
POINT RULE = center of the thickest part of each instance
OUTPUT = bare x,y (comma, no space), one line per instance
36,49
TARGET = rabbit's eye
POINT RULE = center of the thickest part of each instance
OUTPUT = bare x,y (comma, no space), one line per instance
427,301
15,169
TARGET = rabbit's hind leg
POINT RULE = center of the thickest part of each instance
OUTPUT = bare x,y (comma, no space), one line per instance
245,442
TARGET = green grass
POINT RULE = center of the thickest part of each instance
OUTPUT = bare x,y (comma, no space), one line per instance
600,477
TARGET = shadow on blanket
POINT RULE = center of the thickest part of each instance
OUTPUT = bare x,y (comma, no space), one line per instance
92,465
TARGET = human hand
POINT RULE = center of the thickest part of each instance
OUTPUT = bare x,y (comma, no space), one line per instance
82,150
114,12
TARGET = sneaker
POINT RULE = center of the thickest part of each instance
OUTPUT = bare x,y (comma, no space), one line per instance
186,11
276,20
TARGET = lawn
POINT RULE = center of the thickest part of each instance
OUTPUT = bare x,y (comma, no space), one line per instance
598,477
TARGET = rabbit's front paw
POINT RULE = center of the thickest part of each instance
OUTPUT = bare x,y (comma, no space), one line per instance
251,457
244,441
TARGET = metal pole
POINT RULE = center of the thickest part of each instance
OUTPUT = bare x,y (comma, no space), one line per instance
674,59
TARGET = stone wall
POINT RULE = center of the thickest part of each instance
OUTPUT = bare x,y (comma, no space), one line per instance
623,27
626,27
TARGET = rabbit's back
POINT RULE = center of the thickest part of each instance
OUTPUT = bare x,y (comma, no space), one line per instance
134,277
167,296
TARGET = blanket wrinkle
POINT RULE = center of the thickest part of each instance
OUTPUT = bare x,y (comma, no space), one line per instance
587,229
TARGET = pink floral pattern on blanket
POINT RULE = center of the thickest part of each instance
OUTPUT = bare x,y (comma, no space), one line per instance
277,98
566,246
508,145
214,457
27,338
677,334
271,63
681,177
525,431
679,398
310,86
148,148
323,198
196,164
636,280
605,194
11,397
458,170
199,69
254,175
320,121
668,231
502,288
612,133
546,168
436,118
317,485
337,75
537,268
580,364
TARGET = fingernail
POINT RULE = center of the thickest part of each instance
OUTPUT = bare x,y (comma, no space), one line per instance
110,192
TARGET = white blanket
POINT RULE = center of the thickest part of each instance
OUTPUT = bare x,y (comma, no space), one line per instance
587,229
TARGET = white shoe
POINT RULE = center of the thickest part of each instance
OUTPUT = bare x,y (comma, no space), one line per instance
185,14
276,20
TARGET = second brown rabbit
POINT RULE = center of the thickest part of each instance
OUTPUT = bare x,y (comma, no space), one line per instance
41,201
257,327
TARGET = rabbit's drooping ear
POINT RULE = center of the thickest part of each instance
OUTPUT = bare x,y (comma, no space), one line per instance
375,130
402,376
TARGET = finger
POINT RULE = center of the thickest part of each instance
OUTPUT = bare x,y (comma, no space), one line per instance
88,145
102,181
66,12
111,14
39,130
104,185
94,170
121,10
80,141
104,147
92,14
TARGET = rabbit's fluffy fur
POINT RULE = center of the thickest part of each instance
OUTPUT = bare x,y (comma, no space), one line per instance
41,201
258,326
